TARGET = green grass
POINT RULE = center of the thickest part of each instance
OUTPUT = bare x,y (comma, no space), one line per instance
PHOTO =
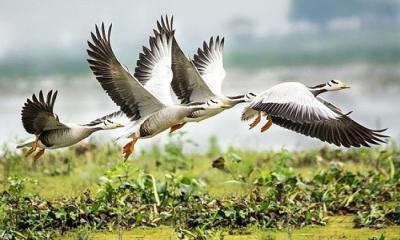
87,192
338,227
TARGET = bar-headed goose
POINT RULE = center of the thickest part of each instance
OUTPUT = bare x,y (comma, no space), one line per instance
200,79
294,106
154,113
38,118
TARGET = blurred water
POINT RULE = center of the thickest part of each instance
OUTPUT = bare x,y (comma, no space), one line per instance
373,96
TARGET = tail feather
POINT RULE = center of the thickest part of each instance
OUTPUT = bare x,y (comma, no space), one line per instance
27,143
129,130
248,114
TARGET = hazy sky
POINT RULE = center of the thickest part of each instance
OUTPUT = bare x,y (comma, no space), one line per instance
48,24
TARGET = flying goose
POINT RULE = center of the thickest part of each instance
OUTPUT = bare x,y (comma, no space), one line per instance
155,113
38,118
294,106
200,79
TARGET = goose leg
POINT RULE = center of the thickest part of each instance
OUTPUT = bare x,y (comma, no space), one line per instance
33,147
176,127
38,154
267,125
256,121
129,147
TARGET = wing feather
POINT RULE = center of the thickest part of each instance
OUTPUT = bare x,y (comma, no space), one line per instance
123,88
38,116
187,82
154,68
342,131
209,63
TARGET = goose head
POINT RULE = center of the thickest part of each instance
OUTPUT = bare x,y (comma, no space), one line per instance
335,85
216,104
108,124
248,97
332,85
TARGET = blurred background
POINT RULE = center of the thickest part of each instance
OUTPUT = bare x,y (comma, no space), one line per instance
43,46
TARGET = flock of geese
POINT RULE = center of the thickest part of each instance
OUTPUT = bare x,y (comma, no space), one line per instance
147,106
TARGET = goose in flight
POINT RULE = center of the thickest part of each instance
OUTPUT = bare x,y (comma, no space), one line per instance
201,79
296,107
38,118
154,112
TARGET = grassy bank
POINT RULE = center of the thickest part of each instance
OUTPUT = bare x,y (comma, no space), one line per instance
221,194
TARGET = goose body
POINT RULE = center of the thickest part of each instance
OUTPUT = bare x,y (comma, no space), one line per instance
299,108
39,119
60,138
151,112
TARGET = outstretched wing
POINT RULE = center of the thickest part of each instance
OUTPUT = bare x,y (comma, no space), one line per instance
38,116
124,89
154,68
209,63
342,131
187,83
294,102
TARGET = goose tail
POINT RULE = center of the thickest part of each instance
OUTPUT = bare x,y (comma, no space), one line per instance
27,143
128,131
248,114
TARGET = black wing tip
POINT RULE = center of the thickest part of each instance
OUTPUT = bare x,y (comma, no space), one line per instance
100,34
165,25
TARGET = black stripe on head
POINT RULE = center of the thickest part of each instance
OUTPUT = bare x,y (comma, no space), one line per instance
236,97
318,86
334,81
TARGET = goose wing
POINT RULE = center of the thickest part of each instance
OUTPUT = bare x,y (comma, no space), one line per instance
294,102
154,68
342,131
38,116
209,63
187,82
123,88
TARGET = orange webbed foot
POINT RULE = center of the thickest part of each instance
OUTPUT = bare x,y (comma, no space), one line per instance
129,148
38,154
33,147
256,121
267,125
